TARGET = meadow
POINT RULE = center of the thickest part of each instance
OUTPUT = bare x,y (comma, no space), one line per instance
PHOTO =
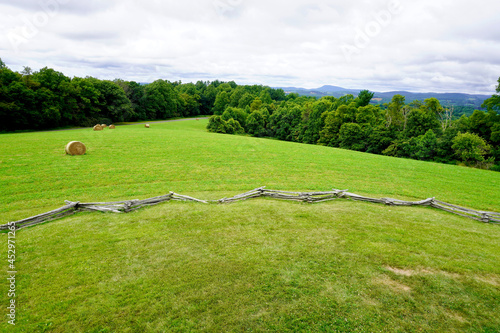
259,265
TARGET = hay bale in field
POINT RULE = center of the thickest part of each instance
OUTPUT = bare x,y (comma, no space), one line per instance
104,125
147,125
97,127
111,126
75,148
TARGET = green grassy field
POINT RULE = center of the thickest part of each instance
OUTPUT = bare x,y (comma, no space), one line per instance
260,265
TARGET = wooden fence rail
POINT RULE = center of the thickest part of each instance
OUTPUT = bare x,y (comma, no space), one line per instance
308,197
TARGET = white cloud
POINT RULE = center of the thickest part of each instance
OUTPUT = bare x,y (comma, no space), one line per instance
420,46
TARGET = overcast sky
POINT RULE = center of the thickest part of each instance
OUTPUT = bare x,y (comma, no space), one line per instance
421,46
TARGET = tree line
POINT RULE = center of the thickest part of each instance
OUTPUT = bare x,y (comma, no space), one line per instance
47,99
422,130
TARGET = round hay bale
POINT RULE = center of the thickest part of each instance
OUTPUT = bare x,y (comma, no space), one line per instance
75,148
111,126
97,128
104,125
147,125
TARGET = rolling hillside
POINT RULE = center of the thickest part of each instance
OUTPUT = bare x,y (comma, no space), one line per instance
258,265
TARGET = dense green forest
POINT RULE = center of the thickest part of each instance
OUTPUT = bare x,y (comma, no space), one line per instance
48,99
423,130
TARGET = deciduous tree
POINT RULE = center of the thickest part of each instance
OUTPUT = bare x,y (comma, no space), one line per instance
470,148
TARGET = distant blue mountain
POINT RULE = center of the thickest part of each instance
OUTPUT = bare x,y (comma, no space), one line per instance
326,90
329,89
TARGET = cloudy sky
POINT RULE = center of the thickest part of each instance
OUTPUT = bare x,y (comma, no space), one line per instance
424,45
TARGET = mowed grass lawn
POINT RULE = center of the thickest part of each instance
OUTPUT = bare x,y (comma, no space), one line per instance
259,265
